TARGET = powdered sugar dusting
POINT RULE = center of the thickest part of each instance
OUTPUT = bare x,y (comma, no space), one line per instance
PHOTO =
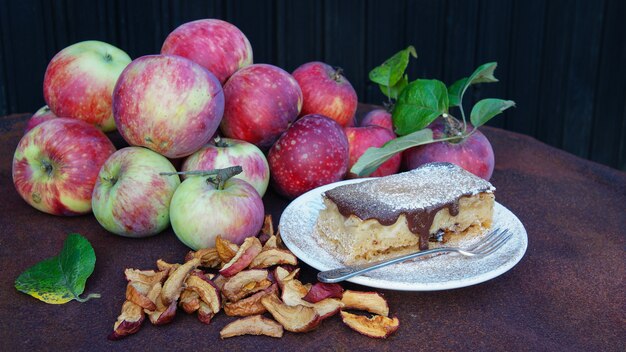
297,228
426,187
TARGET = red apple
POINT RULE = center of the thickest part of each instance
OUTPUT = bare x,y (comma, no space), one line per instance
473,153
326,92
313,152
378,117
217,45
200,211
225,152
56,164
261,101
168,104
130,198
362,138
42,115
79,82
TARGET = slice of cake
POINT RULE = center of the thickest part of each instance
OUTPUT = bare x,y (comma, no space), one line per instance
435,204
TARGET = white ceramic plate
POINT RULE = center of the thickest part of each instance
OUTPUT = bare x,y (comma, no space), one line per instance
437,273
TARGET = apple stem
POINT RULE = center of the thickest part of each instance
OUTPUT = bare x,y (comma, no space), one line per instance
89,296
221,175
388,105
337,75
219,142
453,128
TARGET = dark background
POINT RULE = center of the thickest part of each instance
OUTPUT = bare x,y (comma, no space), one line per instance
563,62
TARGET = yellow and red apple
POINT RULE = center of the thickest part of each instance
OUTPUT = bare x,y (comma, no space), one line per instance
79,82
56,164
130,197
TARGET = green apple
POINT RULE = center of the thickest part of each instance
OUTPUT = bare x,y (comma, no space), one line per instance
130,197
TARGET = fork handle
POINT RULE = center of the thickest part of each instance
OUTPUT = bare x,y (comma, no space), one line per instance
341,274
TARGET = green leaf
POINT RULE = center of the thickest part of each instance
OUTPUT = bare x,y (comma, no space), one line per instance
419,104
483,74
62,278
454,92
486,109
393,92
392,70
374,157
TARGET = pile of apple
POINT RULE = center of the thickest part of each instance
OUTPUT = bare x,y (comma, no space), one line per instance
201,99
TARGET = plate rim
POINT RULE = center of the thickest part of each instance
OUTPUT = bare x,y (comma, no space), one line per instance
394,285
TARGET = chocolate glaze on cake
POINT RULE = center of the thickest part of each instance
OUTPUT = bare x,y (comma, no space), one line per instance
419,194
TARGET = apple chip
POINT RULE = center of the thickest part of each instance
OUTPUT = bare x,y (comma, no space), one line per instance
189,300
206,290
252,325
273,256
322,290
250,305
245,283
226,250
378,326
208,257
173,286
128,322
292,318
372,302
249,249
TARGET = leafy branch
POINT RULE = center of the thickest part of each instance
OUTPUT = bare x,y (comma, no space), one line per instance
420,103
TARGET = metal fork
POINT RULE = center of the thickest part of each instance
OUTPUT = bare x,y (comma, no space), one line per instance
487,245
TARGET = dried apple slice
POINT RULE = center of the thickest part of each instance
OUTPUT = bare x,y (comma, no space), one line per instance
144,276
250,305
267,231
137,293
173,286
282,275
292,318
249,249
208,257
166,267
219,281
163,315
322,290
128,322
270,243
378,326
205,313
226,250
189,300
253,325
372,302
206,289
273,256
294,290
245,283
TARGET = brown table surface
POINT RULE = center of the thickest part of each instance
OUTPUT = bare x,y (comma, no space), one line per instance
566,294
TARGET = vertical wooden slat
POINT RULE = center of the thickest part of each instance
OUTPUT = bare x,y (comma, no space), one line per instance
426,30
581,76
386,33
255,19
460,48
495,22
524,66
4,99
609,115
554,68
344,40
303,33
24,77
622,148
